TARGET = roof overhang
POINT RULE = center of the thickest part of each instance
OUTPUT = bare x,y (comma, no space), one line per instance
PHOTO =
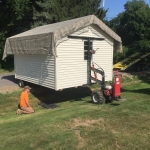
43,39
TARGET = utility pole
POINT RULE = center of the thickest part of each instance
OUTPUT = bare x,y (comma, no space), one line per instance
103,3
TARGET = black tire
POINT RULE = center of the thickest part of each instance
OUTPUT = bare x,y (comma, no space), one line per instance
97,97
21,84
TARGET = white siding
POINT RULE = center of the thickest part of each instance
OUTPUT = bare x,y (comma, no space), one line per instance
37,69
71,66
104,55
97,31
103,58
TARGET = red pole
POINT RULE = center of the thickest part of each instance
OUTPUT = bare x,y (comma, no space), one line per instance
95,75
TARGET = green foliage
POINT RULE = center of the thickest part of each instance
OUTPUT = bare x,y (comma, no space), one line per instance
120,56
7,63
135,22
41,12
142,44
16,16
114,23
2,41
133,25
46,12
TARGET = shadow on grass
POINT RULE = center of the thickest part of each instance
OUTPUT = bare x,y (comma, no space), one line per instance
144,91
114,104
50,96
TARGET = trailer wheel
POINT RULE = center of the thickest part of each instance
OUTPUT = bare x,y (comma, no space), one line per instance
98,97
21,83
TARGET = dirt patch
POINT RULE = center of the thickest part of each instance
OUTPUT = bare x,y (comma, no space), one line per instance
81,140
77,123
86,122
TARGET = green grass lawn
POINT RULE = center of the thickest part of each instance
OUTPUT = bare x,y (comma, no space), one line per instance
77,123
2,71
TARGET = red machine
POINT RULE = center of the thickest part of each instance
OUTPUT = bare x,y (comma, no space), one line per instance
107,93
117,85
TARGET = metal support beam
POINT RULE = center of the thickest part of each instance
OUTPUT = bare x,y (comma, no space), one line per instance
85,38
89,64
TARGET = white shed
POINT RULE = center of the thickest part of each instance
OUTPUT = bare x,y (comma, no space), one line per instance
55,55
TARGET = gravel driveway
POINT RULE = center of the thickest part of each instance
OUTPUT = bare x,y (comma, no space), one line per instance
8,83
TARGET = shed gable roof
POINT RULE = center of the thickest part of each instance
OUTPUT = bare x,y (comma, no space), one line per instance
43,39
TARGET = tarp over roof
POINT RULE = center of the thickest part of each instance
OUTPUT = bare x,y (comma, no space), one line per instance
43,39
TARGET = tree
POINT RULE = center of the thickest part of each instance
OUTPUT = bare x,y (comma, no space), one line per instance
136,23
16,17
133,25
46,11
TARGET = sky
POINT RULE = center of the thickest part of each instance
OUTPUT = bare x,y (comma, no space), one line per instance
116,7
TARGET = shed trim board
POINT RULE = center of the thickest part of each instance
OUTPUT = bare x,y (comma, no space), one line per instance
85,38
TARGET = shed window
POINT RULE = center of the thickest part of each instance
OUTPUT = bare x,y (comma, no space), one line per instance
86,47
